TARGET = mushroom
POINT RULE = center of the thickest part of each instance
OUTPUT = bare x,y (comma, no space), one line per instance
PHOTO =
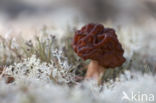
101,46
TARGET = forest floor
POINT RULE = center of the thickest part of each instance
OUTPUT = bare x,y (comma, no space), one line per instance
38,65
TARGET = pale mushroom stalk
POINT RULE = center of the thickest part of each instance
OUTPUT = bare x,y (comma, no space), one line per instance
94,70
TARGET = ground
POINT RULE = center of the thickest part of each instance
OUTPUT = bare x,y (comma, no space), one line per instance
38,65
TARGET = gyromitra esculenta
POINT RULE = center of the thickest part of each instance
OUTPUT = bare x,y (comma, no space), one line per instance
101,46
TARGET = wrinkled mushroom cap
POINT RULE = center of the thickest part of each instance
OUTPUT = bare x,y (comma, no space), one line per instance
95,42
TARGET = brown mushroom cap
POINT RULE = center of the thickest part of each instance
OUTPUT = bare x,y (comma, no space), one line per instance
95,42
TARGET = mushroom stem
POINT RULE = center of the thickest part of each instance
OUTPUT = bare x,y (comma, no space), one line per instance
94,70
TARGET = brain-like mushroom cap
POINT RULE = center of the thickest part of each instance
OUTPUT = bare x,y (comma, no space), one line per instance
95,42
